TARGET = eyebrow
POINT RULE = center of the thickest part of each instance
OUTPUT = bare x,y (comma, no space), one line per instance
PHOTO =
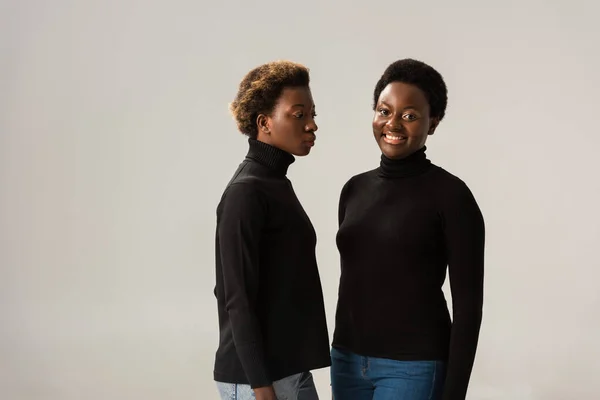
302,105
410,107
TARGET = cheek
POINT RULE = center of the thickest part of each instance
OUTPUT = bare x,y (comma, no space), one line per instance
287,126
378,123
417,130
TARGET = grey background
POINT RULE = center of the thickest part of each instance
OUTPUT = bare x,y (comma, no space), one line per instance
116,143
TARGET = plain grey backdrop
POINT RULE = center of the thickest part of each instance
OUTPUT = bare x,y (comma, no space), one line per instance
116,144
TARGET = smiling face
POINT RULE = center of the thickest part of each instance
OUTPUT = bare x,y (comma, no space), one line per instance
291,125
402,121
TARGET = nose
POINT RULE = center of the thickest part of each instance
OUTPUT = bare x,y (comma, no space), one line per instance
311,126
394,125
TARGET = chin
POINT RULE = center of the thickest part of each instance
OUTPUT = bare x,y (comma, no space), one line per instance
397,151
393,153
393,156
302,150
302,153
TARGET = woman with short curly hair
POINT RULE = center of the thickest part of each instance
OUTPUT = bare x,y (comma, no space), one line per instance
401,226
269,298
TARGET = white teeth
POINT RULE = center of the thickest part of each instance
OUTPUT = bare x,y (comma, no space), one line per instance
394,137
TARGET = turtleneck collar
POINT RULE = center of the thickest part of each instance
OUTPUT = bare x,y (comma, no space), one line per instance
415,164
269,156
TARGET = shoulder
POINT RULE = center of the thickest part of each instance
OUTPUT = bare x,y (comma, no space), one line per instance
245,182
242,195
448,184
453,194
243,187
357,181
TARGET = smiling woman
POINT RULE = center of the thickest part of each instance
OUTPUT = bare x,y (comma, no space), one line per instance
402,120
400,227
409,102
269,297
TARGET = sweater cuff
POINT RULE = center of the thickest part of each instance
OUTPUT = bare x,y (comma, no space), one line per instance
252,359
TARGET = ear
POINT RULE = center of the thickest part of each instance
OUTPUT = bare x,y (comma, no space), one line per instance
263,124
432,125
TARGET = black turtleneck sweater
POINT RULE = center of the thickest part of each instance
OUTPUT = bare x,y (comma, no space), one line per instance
269,297
401,226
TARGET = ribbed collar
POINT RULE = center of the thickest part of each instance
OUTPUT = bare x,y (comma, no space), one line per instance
269,156
415,164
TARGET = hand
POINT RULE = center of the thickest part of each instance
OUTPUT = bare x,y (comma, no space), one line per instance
265,393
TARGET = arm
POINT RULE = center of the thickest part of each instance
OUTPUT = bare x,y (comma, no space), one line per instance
464,234
342,202
241,218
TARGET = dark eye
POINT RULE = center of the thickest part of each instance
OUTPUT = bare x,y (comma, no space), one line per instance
299,115
383,111
409,117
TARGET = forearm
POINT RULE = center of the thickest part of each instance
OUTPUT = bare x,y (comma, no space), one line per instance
248,342
463,346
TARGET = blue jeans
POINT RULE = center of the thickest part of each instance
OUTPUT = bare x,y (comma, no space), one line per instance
354,377
295,387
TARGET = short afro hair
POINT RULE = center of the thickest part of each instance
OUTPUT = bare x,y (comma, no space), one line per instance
422,76
260,89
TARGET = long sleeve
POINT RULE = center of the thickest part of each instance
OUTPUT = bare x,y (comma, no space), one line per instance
342,202
240,219
464,232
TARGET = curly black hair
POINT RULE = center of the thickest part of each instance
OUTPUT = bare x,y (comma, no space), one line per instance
260,89
422,76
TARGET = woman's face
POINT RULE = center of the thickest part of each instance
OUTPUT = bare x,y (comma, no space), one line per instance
291,125
402,123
